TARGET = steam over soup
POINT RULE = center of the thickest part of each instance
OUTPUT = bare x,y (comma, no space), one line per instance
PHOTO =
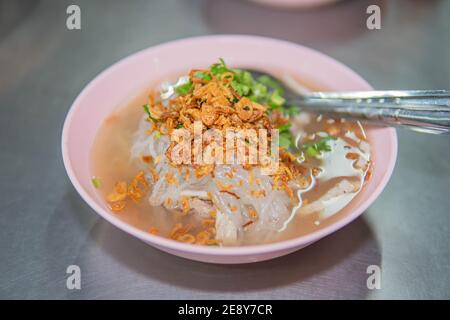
219,158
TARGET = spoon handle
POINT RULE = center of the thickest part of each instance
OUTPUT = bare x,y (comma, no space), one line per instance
420,110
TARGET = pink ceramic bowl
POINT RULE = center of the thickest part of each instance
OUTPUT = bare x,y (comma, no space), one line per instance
114,87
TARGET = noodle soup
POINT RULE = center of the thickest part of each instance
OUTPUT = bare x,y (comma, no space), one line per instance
322,163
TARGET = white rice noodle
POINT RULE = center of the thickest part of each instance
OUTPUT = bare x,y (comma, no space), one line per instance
273,209
226,232
334,195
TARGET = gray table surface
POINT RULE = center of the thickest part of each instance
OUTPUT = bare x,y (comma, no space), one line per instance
45,225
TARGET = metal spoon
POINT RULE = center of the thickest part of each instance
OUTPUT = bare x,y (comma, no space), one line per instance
420,110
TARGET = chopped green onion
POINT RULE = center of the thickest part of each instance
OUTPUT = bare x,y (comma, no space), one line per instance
179,126
96,182
247,78
259,90
316,148
276,101
285,140
241,89
291,110
219,68
271,83
184,88
157,135
311,151
285,127
203,76
243,77
147,110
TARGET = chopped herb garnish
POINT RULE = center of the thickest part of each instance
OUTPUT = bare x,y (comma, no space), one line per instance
147,110
157,135
203,76
243,82
219,68
179,126
285,127
246,78
259,90
291,110
316,148
271,83
184,88
276,101
96,182
286,139
240,88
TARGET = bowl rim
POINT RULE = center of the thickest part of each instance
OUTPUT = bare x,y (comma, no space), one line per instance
170,244
288,4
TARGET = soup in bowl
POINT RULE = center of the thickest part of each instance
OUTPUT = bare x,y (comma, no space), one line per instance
182,147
